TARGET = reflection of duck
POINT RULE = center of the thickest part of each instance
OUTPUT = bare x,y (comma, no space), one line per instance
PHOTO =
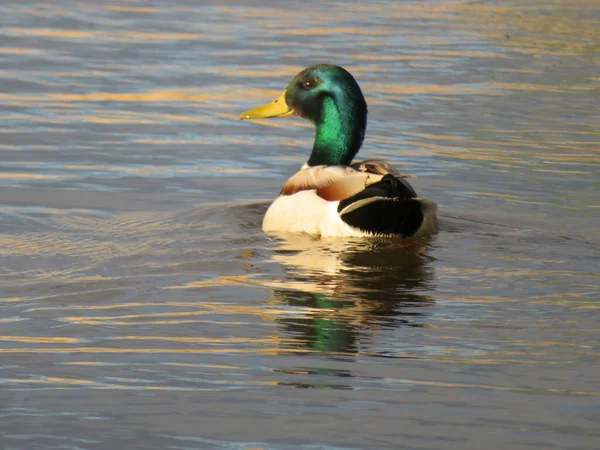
330,196
350,289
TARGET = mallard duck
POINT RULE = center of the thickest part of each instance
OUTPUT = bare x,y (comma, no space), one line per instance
330,195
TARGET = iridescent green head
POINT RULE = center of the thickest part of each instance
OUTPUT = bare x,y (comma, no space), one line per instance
330,98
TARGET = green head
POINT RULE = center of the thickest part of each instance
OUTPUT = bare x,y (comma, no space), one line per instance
330,98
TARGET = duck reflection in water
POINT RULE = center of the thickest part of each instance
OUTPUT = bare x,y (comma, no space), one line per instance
351,289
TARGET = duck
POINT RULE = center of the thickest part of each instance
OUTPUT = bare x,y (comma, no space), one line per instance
332,196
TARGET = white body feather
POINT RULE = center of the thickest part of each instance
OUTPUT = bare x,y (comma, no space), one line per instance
306,212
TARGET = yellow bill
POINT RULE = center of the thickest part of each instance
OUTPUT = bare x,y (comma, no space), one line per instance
277,108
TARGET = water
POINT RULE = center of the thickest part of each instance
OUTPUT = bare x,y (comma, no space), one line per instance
142,306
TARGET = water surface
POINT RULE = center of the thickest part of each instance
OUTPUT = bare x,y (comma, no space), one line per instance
143,307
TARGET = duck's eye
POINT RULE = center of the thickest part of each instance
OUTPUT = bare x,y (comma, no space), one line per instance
310,83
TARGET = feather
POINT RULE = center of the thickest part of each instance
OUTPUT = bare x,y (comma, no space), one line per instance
347,186
379,167
375,166
386,216
315,177
390,206
331,182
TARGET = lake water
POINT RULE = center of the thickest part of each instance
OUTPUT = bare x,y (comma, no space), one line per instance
143,307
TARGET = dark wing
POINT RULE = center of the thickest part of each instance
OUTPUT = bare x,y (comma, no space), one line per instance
390,206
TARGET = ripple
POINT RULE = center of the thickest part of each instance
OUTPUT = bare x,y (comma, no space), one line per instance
138,287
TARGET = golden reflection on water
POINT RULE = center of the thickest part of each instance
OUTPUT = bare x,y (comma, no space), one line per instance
42,340
136,9
220,97
335,293
32,176
109,36
334,296
21,51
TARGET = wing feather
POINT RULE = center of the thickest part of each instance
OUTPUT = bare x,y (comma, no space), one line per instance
332,183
